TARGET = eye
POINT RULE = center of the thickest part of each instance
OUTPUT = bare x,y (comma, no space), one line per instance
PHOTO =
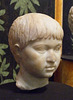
40,49
57,48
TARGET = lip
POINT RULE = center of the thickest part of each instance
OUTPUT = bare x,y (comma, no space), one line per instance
50,68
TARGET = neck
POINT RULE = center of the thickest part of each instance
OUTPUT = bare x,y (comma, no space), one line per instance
26,81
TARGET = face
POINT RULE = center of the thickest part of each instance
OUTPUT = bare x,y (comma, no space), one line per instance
41,58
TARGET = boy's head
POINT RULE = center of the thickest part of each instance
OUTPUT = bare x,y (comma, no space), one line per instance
70,19
32,27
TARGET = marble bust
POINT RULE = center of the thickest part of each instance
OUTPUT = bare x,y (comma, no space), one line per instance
70,19
35,40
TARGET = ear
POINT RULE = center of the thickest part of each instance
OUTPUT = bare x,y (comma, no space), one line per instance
17,49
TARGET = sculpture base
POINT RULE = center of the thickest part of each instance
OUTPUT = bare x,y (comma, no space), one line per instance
53,91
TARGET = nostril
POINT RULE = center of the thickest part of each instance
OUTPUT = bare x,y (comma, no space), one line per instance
50,63
51,60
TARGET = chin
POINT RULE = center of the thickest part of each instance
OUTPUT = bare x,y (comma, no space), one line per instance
48,75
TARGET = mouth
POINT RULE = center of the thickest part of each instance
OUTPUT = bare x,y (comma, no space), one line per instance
50,68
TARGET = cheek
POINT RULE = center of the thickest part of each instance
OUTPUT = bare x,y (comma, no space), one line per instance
31,54
39,60
34,66
58,58
58,55
37,64
33,59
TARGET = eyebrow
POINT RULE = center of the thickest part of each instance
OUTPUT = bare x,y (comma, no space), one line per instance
38,44
44,45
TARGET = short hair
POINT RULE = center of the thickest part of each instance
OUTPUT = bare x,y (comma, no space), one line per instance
33,26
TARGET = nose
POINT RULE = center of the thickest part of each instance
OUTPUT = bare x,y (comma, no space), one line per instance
51,58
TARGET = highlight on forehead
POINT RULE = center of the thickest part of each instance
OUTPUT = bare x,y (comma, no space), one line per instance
34,26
